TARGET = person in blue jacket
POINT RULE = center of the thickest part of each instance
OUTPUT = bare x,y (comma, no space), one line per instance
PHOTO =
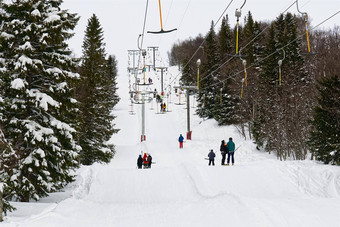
180,140
211,156
231,150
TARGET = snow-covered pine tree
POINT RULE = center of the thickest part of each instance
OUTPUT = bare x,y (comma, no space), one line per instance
113,73
226,101
209,77
245,107
225,37
37,105
5,170
266,92
189,74
324,140
94,93
294,95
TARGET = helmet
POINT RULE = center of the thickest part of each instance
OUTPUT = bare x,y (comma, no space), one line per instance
230,138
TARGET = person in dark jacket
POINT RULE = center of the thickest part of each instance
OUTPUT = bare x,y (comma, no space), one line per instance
211,156
223,150
150,161
180,140
231,150
139,162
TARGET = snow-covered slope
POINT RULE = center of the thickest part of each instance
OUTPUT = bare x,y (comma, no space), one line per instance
181,189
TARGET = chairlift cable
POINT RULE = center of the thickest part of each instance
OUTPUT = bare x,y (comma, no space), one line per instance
263,30
142,35
276,50
185,12
202,42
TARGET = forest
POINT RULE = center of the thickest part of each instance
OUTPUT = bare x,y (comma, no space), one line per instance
277,81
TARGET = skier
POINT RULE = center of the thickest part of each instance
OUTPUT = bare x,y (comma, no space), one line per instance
150,161
180,140
231,150
145,161
224,150
139,162
164,107
211,156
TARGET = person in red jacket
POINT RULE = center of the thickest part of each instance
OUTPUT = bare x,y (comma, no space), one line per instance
145,160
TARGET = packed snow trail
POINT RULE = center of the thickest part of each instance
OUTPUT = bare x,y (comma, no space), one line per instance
181,189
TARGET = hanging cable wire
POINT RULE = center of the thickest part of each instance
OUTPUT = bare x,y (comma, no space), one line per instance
202,42
146,13
241,71
243,47
140,45
185,12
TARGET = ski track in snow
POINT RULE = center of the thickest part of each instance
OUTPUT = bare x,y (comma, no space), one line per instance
181,189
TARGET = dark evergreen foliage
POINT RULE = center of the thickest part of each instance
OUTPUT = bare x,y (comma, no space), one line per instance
324,140
210,76
96,93
38,111
275,113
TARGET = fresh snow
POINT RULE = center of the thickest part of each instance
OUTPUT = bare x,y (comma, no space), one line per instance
181,189
36,12
22,62
43,99
17,84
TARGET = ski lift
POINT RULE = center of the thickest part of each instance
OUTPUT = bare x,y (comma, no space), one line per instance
280,63
160,16
238,14
305,17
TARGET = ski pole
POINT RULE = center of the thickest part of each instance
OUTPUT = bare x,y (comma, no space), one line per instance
237,148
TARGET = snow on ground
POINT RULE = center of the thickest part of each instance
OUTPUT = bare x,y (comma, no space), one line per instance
181,189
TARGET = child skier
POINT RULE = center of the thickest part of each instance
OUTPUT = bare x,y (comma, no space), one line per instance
180,140
211,156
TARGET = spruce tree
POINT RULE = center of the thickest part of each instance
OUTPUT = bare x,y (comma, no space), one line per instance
225,37
266,101
112,73
37,105
210,74
94,93
189,76
324,140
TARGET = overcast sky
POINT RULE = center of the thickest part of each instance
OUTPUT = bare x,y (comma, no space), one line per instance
122,20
